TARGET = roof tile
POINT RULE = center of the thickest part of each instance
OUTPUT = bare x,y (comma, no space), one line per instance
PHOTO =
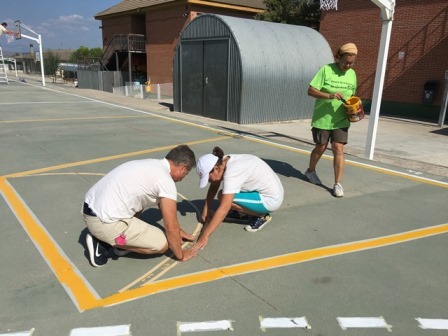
132,5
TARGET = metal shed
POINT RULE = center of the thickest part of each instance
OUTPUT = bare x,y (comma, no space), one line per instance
246,71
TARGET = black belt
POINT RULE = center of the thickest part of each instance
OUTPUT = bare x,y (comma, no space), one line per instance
87,211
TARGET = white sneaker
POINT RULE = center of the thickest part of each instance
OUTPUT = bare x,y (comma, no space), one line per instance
312,177
338,191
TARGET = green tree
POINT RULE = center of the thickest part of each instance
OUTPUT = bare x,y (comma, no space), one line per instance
79,54
51,64
96,52
85,55
297,12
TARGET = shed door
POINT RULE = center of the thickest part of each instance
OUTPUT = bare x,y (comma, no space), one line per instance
191,73
204,78
215,79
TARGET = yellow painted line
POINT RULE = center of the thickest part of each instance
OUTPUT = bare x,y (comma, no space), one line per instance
64,270
67,119
108,158
68,173
271,263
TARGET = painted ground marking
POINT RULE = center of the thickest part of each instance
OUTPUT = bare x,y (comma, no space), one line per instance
78,289
67,119
109,158
119,330
283,322
20,333
436,324
363,322
85,298
185,327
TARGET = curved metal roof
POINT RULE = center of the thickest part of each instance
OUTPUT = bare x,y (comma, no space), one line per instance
263,43
277,60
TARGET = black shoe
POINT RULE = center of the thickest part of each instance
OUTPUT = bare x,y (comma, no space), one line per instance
98,251
257,223
234,216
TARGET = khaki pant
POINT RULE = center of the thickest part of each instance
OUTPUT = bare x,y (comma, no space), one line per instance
137,232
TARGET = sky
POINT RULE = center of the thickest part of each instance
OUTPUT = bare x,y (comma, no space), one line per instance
63,24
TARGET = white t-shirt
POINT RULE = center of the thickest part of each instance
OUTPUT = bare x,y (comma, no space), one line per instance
130,188
246,172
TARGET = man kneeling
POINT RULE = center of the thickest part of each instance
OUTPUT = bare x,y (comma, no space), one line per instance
112,207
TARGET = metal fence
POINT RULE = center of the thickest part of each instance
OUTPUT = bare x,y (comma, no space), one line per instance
141,91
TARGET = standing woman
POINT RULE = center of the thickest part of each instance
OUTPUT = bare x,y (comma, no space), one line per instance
250,191
332,83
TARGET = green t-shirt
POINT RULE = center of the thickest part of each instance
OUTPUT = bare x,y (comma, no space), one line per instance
329,113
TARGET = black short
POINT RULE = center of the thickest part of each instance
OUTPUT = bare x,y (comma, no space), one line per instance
322,137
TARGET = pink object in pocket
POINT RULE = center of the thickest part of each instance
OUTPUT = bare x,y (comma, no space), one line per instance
121,240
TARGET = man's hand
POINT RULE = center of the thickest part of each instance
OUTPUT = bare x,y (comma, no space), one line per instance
188,254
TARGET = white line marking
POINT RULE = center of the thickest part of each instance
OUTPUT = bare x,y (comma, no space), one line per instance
120,330
284,322
203,326
415,172
20,333
439,324
363,322
46,102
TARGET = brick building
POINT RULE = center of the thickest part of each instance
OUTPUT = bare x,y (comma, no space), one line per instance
418,51
161,22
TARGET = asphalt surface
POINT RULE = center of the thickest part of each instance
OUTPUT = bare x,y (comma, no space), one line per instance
378,254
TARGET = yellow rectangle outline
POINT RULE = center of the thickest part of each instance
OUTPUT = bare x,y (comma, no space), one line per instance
85,299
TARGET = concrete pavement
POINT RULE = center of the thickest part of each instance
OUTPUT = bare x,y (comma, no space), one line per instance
419,146
416,145
378,251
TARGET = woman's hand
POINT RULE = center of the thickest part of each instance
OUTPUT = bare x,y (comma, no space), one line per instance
206,216
336,95
200,244
186,236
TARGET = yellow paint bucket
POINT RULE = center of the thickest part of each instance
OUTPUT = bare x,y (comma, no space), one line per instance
354,109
